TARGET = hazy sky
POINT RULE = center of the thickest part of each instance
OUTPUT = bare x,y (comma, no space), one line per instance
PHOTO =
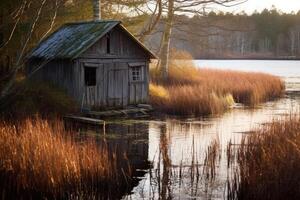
251,5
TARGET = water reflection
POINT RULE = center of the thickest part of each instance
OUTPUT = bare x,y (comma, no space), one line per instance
128,142
184,158
190,141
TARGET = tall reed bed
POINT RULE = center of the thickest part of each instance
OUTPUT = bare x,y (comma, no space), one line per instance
193,91
188,179
269,162
42,160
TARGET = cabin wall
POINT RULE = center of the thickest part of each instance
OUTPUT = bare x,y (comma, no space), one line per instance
114,87
57,72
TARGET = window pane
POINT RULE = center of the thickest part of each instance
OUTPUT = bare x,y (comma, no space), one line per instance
90,76
136,73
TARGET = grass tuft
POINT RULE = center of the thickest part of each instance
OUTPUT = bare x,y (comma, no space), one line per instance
269,162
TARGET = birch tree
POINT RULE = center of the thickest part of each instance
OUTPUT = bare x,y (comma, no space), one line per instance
190,7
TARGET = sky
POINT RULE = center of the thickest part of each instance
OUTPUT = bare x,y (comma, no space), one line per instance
251,5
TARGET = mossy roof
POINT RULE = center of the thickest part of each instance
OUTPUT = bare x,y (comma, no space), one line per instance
72,39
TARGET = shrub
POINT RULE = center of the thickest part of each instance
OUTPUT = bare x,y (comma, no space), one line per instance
30,98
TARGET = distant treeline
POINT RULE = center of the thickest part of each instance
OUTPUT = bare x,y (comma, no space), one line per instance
269,34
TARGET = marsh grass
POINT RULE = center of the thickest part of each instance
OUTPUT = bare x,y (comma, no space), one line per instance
268,163
193,178
40,159
193,91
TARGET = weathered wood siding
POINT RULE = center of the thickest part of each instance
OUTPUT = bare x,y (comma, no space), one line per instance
114,68
121,46
114,85
138,90
59,72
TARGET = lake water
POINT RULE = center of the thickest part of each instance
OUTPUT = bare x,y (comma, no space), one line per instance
178,148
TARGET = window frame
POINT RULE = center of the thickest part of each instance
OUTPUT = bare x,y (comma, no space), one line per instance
108,43
136,71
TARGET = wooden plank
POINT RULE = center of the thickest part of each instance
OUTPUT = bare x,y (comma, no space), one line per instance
121,112
139,88
85,120
81,84
111,86
125,85
136,64
105,85
100,84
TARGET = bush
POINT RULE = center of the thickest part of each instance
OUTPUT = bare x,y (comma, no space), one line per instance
30,98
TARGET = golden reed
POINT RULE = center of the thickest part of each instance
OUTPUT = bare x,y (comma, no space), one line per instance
42,160
268,163
192,91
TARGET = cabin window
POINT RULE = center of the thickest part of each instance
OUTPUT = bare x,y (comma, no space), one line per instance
136,73
108,43
90,76
1,38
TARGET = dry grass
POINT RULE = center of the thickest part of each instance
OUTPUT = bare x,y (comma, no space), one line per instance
193,91
188,100
39,160
269,163
192,178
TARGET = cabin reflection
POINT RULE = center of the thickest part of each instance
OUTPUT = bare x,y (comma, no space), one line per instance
129,141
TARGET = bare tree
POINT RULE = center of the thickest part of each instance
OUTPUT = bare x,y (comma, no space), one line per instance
39,10
18,64
190,7
153,21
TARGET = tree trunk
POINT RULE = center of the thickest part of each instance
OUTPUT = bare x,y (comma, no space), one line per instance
165,42
19,63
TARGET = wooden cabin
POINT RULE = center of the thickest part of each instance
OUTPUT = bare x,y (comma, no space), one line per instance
98,63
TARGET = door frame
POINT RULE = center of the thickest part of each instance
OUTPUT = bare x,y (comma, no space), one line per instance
87,101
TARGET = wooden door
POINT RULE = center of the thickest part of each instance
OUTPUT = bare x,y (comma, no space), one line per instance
118,85
93,84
